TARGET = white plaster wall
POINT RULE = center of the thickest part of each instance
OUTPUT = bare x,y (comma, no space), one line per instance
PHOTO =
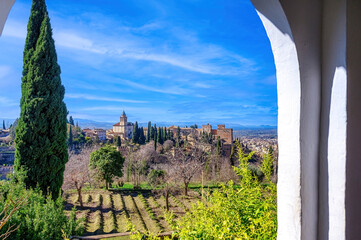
353,167
289,98
334,84
5,6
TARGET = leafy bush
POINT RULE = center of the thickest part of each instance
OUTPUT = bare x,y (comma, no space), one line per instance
247,212
40,217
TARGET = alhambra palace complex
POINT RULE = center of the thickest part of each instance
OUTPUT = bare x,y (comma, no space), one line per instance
124,129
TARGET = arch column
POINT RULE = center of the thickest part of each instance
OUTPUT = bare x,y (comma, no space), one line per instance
326,159
5,6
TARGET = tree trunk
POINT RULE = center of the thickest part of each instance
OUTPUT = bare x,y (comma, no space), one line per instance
80,197
186,188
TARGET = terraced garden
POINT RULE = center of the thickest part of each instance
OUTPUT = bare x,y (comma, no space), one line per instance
112,212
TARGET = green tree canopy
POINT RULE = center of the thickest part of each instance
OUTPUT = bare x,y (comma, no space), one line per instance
41,133
107,163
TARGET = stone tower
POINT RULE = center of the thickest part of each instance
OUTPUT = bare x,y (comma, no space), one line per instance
123,119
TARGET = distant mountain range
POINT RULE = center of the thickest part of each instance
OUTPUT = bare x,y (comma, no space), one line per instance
86,123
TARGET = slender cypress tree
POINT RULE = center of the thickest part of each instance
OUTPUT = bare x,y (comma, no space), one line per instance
41,133
141,136
164,134
170,134
4,124
71,120
119,142
152,133
135,137
219,146
148,131
155,137
70,139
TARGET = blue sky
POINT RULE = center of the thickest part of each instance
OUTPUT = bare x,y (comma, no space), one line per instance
160,60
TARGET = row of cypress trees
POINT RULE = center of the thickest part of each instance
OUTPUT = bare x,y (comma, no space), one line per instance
158,134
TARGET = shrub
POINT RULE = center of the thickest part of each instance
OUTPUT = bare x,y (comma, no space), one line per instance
40,217
247,212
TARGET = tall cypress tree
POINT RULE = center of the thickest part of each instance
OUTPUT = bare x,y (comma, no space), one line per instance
141,136
4,124
148,131
70,139
160,135
135,137
155,137
152,133
71,120
119,141
41,133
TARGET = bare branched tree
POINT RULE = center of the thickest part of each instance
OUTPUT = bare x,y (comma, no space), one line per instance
138,162
76,173
169,180
188,162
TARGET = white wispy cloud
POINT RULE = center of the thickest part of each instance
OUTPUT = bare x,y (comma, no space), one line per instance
191,54
4,71
99,98
74,41
15,29
167,90
201,85
5,101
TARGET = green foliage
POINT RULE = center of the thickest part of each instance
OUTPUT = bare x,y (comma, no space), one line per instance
195,126
155,137
148,132
219,146
70,138
107,163
246,212
135,137
40,217
160,134
119,141
71,121
141,136
41,134
156,177
12,129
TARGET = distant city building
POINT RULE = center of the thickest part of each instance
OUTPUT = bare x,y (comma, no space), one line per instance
94,134
225,134
101,133
123,128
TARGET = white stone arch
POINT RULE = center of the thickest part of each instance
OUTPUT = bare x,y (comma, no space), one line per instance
317,185
289,110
